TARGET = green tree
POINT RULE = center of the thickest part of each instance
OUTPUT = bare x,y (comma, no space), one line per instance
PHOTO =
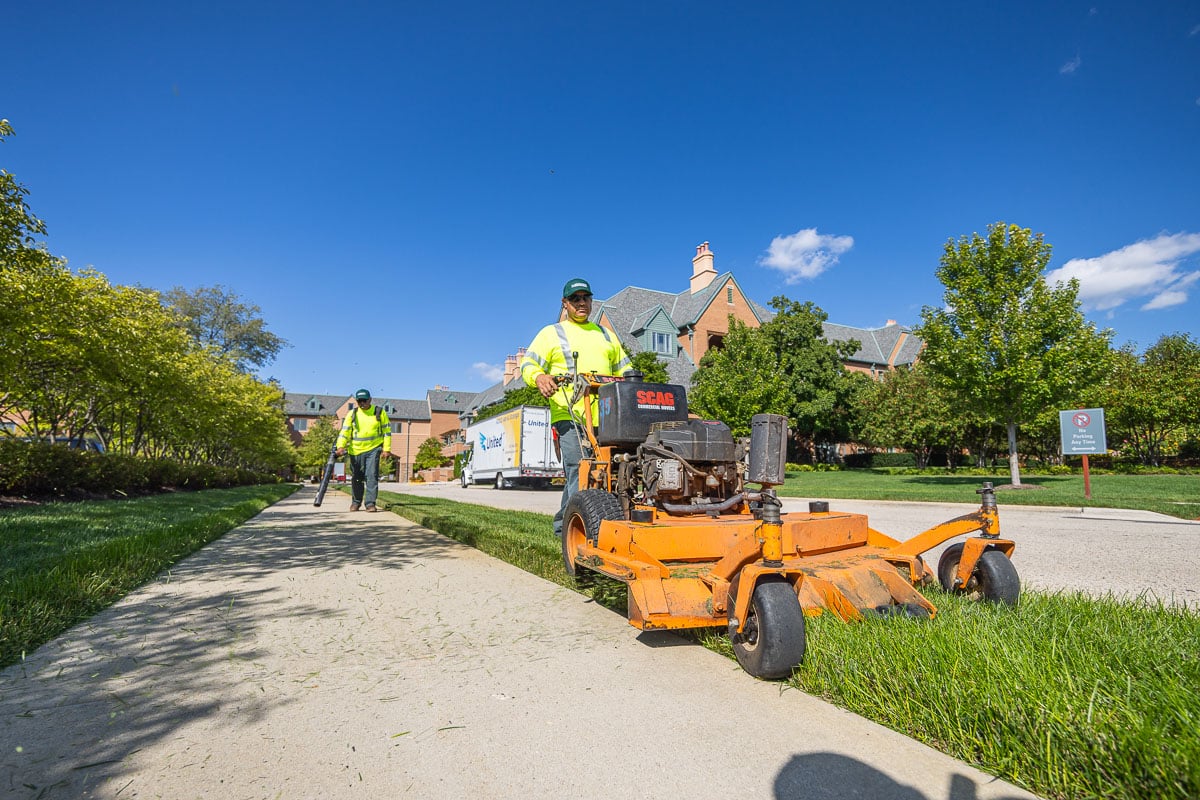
313,450
1149,401
784,367
904,410
653,370
1005,343
18,225
216,318
522,395
429,455
738,380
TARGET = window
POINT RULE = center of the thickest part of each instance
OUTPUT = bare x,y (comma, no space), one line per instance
397,427
661,343
729,295
301,425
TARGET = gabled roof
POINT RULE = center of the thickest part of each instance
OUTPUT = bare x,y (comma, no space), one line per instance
492,394
448,400
876,344
405,409
302,405
632,308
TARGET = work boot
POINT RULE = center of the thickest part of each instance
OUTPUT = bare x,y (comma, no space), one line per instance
372,507
354,506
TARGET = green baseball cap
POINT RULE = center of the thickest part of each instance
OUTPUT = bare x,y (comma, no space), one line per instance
362,394
576,285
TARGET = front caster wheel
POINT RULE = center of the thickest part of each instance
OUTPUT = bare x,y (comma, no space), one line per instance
772,641
995,578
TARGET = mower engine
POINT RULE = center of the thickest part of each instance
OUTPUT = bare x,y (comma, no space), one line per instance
661,457
688,460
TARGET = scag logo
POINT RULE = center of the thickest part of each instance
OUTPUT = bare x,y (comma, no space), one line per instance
487,443
650,398
657,398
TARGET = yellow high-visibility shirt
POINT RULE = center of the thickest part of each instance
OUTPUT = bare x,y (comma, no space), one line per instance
553,352
362,431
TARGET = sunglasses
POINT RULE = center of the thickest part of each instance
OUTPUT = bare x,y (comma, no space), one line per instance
579,298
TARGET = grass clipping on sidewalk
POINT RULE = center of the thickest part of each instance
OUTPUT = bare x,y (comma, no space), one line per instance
1066,695
62,562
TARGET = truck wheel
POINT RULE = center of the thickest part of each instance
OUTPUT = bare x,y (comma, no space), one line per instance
585,511
772,642
466,481
995,578
500,484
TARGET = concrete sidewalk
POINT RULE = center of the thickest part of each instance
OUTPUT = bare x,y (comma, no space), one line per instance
313,653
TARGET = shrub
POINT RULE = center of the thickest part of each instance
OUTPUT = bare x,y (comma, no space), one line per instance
53,470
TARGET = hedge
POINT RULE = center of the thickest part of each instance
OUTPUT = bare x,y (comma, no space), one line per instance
37,469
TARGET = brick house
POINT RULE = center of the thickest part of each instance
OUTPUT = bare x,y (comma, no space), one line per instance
680,327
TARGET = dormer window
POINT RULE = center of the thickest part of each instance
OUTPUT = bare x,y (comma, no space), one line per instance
661,343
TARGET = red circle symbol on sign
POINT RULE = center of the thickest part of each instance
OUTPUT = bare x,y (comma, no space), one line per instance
1081,420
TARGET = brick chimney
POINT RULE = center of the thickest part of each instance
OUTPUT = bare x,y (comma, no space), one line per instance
702,268
511,363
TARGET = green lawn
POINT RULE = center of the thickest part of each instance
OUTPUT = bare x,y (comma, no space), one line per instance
62,562
1066,695
1176,495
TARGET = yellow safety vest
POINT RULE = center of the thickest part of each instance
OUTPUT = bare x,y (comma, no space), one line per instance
365,429
553,352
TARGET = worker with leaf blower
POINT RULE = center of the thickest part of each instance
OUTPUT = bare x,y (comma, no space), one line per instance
568,347
366,435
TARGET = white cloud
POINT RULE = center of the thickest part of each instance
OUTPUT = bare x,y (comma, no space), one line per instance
1070,67
1194,31
490,372
805,254
1149,267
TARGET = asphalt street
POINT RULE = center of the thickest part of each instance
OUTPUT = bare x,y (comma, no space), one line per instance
1094,550
315,653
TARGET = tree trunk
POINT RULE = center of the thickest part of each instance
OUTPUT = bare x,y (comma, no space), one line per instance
1014,468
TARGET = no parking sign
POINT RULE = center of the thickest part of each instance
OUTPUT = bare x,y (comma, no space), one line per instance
1082,432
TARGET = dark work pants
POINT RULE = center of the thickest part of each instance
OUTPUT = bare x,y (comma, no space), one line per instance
568,443
364,474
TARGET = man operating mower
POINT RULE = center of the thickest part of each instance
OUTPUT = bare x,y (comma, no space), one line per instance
571,346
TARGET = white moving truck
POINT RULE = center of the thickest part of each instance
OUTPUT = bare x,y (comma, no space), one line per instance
515,448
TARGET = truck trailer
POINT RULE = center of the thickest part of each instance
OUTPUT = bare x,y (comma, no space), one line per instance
515,448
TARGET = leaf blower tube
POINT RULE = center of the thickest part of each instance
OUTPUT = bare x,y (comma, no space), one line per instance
325,478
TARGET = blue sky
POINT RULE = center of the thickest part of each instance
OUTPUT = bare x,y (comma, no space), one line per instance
404,187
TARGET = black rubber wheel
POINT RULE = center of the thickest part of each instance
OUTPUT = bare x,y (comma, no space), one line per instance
585,511
772,641
500,484
995,578
466,484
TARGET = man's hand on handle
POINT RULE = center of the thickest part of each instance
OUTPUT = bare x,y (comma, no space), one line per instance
547,385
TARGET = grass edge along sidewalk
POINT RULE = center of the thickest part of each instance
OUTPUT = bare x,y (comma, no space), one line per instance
1068,696
60,563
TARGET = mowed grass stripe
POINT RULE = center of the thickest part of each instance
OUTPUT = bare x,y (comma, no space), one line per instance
1066,695
62,562
1175,495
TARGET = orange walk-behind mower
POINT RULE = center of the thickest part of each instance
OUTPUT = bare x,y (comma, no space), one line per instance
666,505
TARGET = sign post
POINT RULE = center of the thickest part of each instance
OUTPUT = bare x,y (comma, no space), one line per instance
1083,435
